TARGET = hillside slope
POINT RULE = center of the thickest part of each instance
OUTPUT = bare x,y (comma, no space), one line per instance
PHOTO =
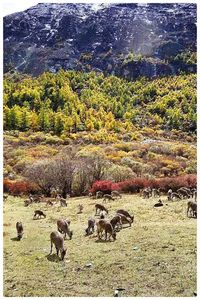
128,40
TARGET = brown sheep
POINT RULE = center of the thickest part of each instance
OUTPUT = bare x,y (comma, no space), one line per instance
125,220
20,230
57,239
108,197
174,196
100,208
103,225
91,224
5,197
116,221
80,208
63,202
38,213
116,194
63,227
27,202
49,202
125,213
192,207
184,193
99,194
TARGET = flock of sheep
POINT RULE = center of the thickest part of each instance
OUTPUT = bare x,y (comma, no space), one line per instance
108,227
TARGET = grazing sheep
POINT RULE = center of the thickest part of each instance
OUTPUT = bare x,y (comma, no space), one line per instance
27,202
80,208
184,193
156,192
159,203
99,194
147,193
49,202
63,227
116,221
100,208
91,224
63,202
108,197
38,213
116,194
195,195
169,193
5,197
20,230
103,225
124,219
192,208
174,196
125,213
57,239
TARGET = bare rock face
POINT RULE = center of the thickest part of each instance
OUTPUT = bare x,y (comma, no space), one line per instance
98,37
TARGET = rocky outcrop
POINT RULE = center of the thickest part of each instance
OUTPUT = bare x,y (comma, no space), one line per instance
99,37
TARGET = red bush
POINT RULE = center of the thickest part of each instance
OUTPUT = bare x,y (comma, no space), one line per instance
6,185
18,187
175,183
133,185
105,186
136,184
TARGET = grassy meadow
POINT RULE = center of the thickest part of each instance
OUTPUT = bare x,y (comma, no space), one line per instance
154,257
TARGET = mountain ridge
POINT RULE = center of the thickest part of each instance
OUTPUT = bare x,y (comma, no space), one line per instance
126,40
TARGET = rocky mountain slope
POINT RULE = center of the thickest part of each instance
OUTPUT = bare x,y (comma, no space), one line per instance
128,40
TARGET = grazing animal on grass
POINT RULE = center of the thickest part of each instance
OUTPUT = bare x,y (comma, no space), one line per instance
20,230
116,221
27,202
80,208
147,193
156,192
49,202
116,194
125,213
63,227
57,239
99,194
91,224
159,203
174,196
5,197
99,208
124,219
183,193
38,213
63,202
107,197
195,195
192,208
103,225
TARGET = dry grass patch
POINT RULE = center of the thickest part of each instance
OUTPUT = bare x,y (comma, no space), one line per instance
154,257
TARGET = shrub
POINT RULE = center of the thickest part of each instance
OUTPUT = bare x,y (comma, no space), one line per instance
6,185
19,187
105,186
189,181
133,185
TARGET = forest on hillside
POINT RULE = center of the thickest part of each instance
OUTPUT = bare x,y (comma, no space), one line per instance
71,102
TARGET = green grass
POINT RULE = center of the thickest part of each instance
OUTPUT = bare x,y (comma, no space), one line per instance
162,264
